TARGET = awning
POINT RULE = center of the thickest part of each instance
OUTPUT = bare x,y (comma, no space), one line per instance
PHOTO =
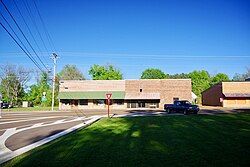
91,95
236,94
193,95
132,96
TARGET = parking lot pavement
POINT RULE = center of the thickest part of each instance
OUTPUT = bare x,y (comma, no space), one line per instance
20,130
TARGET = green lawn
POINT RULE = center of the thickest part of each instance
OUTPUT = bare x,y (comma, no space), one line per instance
36,108
195,140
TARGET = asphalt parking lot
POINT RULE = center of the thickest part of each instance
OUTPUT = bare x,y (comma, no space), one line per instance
34,126
22,129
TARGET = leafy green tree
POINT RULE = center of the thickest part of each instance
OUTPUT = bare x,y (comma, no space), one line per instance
179,76
220,77
153,73
200,81
36,91
108,72
70,72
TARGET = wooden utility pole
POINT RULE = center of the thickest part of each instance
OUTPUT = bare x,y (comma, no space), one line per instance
54,57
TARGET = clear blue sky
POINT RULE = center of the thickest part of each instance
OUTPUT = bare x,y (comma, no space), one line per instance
173,35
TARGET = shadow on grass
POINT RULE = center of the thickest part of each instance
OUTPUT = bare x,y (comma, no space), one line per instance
197,140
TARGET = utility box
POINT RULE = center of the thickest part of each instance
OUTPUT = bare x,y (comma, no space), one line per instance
25,104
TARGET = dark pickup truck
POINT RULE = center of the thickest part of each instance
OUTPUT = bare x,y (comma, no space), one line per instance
182,106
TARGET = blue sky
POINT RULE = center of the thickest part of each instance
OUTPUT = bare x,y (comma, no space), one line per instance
173,35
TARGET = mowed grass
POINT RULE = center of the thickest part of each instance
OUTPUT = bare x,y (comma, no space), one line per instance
194,140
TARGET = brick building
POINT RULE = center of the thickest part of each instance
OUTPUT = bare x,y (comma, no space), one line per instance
227,94
153,93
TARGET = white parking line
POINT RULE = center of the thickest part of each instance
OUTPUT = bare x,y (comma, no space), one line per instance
25,120
8,154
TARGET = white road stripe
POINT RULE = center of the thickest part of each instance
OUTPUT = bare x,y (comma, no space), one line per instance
5,156
31,119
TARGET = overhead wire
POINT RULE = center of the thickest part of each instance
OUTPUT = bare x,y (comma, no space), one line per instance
15,34
30,31
36,64
45,29
22,33
27,7
27,51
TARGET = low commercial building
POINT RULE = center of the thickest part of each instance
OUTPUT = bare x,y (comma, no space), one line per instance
227,94
151,93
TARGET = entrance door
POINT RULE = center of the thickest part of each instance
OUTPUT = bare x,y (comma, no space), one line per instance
141,104
74,104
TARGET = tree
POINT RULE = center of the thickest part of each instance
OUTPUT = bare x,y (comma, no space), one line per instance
13,82
153,73
108,72
71,72
36,91
179,76
220,77
200,81
242,77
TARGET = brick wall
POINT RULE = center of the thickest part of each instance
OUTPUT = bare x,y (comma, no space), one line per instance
211,96
168,88
92,85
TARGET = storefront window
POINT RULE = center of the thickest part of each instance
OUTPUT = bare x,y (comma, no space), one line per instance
118,102
83,102
99,102
65,101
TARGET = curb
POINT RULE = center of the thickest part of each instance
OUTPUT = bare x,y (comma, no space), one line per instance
9,156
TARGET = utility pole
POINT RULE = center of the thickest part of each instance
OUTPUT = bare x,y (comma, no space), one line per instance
0,105
54,57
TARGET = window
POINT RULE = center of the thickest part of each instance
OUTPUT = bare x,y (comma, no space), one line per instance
175,99
66,88
99,102
118,102
65,101
140,90
83,102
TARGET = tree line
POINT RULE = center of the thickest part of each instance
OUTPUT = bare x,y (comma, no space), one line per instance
14,81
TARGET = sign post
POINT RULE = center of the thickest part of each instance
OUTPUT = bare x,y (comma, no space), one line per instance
108,96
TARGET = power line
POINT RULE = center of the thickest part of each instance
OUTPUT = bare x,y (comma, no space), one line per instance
15,33
125,55
27,7
46,30
18,37
23,33
29,30
22,48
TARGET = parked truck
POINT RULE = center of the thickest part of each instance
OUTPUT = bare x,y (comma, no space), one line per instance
181,106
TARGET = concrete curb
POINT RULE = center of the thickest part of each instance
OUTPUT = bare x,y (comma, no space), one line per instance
10,155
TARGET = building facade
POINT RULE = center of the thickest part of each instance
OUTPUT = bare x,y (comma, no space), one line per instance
151,93
227,94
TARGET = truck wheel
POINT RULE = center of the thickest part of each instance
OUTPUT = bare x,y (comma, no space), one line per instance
185,112
168,111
